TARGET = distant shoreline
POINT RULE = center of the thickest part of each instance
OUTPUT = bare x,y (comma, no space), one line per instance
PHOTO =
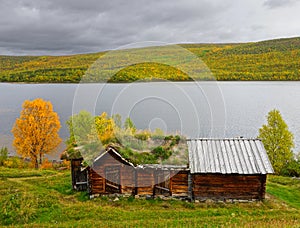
155,81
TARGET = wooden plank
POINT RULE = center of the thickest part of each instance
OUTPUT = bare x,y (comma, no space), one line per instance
227,186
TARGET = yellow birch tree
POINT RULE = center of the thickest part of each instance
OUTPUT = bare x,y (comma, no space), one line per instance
105,128
36,130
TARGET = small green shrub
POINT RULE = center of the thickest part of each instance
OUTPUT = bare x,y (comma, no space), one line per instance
144,135
157,137
173,140
162,153
158,134
189,205
130,199
83,196
15,162
291,169
3,155
168,137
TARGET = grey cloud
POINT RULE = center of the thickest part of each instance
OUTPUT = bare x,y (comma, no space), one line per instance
76,26
278,3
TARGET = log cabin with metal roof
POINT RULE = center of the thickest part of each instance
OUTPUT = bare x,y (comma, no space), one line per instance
217,169
228,168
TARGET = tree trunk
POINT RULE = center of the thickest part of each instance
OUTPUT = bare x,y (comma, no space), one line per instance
36,165
41,156
34,159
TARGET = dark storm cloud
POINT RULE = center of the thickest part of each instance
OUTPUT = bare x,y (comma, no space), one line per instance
73,26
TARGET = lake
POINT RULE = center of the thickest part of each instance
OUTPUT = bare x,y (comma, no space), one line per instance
195,109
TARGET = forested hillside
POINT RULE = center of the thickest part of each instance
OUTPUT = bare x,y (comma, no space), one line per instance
266,60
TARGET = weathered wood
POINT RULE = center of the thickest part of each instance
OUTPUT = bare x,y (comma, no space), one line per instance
110,174
218,186
79,177
179,183
145,190
263,179
152,181
96,182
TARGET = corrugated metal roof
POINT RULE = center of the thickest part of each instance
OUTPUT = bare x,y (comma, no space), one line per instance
163,167
228,156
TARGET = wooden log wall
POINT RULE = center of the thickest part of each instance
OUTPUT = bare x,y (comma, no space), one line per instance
96,183
145,181
218,186
179,183
127,179
97,175
263,181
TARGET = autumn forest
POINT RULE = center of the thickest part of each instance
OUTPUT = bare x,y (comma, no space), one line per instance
266,60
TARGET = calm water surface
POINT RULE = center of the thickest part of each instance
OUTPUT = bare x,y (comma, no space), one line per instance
205,109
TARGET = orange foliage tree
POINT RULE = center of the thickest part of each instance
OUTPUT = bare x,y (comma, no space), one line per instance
36,130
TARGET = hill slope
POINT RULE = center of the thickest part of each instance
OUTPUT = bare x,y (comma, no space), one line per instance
265,60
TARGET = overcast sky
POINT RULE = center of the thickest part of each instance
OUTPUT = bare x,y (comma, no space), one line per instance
55,27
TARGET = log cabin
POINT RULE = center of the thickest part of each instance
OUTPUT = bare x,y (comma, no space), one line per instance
228,168
217,169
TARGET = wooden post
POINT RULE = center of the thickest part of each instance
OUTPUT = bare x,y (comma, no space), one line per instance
262,192
135,182
155,182
191,186
171,182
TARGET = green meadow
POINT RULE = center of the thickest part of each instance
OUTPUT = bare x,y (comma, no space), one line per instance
44,198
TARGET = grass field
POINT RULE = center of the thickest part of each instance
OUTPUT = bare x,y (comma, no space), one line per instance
33,198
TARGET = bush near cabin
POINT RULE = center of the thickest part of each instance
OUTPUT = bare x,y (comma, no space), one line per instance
138,146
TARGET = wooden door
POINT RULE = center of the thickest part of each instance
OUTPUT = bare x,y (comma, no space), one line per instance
112,179
162,185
